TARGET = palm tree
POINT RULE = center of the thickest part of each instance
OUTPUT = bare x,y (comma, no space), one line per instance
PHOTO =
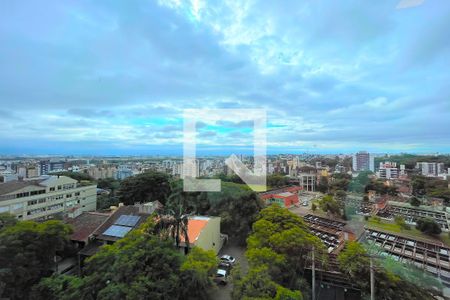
174,220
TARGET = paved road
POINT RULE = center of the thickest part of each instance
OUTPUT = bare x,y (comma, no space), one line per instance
224,292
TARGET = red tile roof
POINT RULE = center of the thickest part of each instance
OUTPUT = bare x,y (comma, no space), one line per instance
195,227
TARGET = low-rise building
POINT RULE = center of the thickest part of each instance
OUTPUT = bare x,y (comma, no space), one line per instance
46,197
204,232
285,197
388,170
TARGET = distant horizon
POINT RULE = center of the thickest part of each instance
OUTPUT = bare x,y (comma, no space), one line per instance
116,79
210,153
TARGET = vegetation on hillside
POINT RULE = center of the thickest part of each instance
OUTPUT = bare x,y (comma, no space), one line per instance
27,253
354,262
139,266
278,251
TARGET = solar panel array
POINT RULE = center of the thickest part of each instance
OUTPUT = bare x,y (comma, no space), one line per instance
127,220
122,226
117,231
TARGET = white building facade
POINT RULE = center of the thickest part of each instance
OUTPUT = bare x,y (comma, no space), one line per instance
46,197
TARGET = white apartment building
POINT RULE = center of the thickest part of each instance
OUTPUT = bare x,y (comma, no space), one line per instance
45,197
388,170
431,168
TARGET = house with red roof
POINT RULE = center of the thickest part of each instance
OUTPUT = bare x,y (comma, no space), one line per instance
204,232
285,197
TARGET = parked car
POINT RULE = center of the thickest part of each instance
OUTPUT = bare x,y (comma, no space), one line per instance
221,277
227,259
225,266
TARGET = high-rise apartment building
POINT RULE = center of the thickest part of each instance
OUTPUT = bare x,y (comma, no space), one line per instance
430,168
363,161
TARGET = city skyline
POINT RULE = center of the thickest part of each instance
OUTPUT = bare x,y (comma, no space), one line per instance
89,78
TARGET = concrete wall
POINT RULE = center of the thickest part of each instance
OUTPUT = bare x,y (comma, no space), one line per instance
209,238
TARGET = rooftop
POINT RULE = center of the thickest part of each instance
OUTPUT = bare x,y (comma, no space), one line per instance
117,217
85,224
11,186
195,227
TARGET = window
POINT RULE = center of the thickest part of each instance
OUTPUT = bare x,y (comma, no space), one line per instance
69,196
77,194
52,189
32,202
21,195
41,200
17,206
32,193
59,187
56,206
35,211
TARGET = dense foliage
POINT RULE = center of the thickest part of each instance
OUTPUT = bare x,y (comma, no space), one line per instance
329,205
354,262
431,187
278,250
428,226
27,253
139,266
145,187
237,215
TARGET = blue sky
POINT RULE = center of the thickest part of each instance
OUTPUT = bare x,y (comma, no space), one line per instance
113,77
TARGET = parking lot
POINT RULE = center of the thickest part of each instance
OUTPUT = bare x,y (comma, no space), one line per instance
223,292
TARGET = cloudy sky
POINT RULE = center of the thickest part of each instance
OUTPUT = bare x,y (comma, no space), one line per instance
113,77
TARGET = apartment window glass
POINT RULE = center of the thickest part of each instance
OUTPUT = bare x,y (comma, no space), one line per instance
17,206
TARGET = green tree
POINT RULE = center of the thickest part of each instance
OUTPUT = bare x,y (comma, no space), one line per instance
400,221
428,226
418,185
323,185
139,266
277,180
257,284
414,201
355,264
27,253
328,204
313,207
197,272
146,187
340,195
238,213
284,237
7,219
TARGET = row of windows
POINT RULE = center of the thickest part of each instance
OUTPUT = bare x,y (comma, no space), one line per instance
43,209
34,202
40,201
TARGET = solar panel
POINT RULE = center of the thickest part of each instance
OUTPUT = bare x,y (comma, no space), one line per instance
117,231
127,220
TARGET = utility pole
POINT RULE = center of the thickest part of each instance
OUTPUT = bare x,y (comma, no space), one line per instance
372,280
314,276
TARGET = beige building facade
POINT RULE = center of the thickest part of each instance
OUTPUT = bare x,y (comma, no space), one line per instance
46,197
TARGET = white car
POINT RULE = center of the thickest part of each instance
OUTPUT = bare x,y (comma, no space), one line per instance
227,259
221,276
